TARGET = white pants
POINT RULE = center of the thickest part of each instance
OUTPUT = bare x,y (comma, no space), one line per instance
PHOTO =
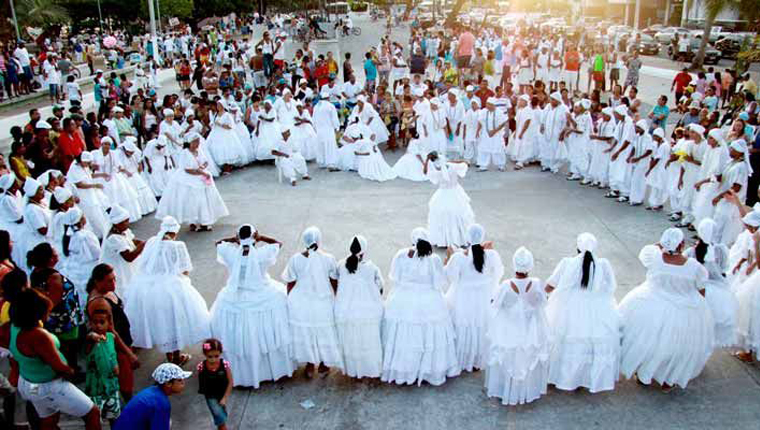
293,165
55,396
638,181
657,197
499,159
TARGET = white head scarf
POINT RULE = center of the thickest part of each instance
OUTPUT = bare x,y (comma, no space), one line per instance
168,225
586,104
249,240
72,217
311,236
6,181
697,129
622,110
643,124
671,239
168,112
419,234
607,111
586,242
61,194
659,133
362,244
717,134
117,214
740,145
556,96
86,157
31,186
476,233
47,175
753,218
705,231
522,260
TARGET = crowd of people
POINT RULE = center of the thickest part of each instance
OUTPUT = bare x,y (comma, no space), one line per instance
81,294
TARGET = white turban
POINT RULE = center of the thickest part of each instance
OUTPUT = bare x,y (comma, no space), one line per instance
586,242
286,91
716,134
556,96
72,216
31,186
61,194
6,181
697,129
249,240
522,260
705,231
525,97
361,98
586,103
130,147
362,243
106,141
642,124
43,125
192,136
659,132
436,102
476,101
311,236
85,156
671,239
621,110
117,109
419,234
168,225
454,92
469,88
168,112
607,111
476,233
753,218
740,145
117,214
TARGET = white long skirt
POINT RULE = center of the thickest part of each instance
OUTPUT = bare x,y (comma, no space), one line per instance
418,338
449,216
374,167
409,167
748,317
254,329
189,203
165,312
362,348
145,196
664,340
468,305
225,147
312,326
724,309
120,191
585,348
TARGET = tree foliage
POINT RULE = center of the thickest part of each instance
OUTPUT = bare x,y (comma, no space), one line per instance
40,13
748,10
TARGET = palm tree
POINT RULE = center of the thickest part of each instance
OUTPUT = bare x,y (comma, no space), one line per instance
40,13
749,10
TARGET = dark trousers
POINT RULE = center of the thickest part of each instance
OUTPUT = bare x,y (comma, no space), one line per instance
268,65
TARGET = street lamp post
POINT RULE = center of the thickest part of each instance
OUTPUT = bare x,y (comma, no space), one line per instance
15,22
153,38
158,13
100,15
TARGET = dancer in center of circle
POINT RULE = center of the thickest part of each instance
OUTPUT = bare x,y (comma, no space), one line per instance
449,213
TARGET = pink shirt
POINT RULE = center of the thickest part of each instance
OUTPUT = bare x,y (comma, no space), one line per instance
466,43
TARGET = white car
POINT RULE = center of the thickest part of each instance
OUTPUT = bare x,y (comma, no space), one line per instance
667,34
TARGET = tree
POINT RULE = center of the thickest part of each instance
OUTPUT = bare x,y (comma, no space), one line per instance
748,10
40,13
452,18
170,8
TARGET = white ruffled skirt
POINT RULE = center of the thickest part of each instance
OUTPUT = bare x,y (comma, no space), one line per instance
724,309
374,167
190,201
145,197
449,216
409,167
225,147
468,306
312,326
748,317
165,312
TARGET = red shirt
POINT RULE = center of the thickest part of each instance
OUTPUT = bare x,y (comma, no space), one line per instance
572,61
483,95
681,80
71,144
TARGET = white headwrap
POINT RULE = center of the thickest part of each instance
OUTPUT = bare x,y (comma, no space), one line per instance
45,177
621,110
106,141
586,103
168,225
586,242
476,101
525,97
740,145
671,239
117,214
6,181
362,243
168,112
192,136
607,111
419,234
705,232
642,124
556,96
522,261
476,233
44,125
249,240
31,186
697,128
753,218
130,147
659,132
86,157
61,194
311,236
72,217
717,134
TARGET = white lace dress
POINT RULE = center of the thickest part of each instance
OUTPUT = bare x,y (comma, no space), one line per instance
449,210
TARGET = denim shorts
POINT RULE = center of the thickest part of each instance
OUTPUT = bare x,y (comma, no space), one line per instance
218,411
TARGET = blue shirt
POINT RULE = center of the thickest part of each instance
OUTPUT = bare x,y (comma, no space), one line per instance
148,410
370,70
661,110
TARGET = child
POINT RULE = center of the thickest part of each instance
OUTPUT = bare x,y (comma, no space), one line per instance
102,380
518,356
73,91
215,381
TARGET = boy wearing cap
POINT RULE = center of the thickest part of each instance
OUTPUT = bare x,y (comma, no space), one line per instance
150,409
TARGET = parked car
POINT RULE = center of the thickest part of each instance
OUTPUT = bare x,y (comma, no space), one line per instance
653,29
667,34
712,55
730,44
646,45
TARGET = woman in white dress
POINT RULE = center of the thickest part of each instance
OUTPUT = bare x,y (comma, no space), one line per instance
159,165
410,166
37,219
470,130
120,248
110,174
517,362
80,251
371,164
359,312
715,160
130,161
326,123
223,141
601,142
656,175
164,309
668,331
721,300
368,116
433,128
748,317
244,136
474,274
192,125
250,314
521,149
268,133
419,341
734,179
12,215
449,211
584,320
304,133
312,276
92,200
191,196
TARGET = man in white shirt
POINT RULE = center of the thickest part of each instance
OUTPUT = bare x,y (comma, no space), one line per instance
350,90
52,76
22,55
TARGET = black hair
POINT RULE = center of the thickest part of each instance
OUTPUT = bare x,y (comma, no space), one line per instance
12,284
245,232
5,246
213,345
29,309
40,255
424,248
588,260
66,242
99,272
701,251
352,262
478,257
